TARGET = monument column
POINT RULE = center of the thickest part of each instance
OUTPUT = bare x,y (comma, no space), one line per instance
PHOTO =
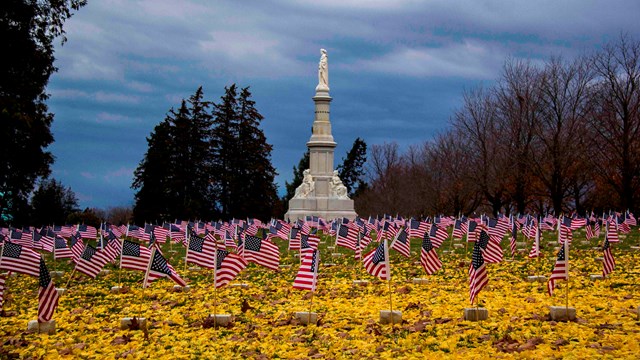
322,192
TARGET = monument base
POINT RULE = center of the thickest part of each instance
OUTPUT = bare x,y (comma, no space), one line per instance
324,207
562,313
47,327
306,317
390,317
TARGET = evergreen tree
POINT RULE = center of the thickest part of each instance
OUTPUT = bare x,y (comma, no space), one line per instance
28,29
52,203
351,171
303,164
244,183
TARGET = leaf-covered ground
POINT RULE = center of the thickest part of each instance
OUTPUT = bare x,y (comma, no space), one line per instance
88,316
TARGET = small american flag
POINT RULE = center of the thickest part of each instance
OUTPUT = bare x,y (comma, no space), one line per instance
428,256
346,237
478,277
228,266
308,243
161,268
261,252
134,256
61,250
87,232
47,294
472,234
77,246
376,262
559,271
535,248
307,277
90,262
19,259
612,234
201,252
608,262
491,250
514,236
294,238
3,280
401,243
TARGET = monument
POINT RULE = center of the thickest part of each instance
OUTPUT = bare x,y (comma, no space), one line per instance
321,193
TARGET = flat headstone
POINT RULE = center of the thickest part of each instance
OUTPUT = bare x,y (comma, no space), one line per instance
535,278
306,317
56,274
635,247
285,266
458,246
562,313
336,254
600,258
331,247
557,248
476,314
221,319
296,255
241,285
125,323
186,288
445,251
195,268
61,291
329,264
585,242
360,282
172,251
521,244
116,289
595,277
521,250
595,248
552,243
47,327
420,281
104,272
389,317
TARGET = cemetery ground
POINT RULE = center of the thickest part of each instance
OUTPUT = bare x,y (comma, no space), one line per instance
88,315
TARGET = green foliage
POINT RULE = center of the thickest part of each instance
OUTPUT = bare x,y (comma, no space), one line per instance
52,203
351,171
203,164
29,29
87,217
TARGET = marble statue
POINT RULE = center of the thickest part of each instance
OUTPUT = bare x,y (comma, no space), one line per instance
337,187
307,187
323,71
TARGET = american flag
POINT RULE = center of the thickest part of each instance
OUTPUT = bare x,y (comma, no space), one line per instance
77,246
514,236
47,294
308,243
3,280
279,229
428,256
161,233
417,227
228,240
61,250
201,252
376,262
307,277
471,231
20,259
113,248
612,234
630,219
64,231
44,239
589,230
491,250
608,262
559,271
596,227
294,238
87,232
478,277
458,229
401,243
565,233
437,235
161,268
347,237
228,266
134,256
261,252
535,248
90,262
21,238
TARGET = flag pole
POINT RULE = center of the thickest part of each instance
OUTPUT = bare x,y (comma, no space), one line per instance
120,267
388,266
566,254
188,239
70,277
146,278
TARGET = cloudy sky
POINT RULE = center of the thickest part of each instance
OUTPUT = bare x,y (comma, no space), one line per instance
398,69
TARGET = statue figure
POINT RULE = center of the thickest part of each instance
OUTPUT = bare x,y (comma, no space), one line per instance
337,187
323,71
307,186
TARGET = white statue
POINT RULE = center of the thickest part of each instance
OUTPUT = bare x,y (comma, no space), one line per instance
337,187
307,187
323,71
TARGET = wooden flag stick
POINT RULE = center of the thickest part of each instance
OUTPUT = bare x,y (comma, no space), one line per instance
310,307
390,303
70,277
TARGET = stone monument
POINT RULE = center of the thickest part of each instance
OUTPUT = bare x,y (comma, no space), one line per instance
321,193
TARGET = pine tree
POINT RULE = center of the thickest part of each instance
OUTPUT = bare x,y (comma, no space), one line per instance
52,203
242,158
351,171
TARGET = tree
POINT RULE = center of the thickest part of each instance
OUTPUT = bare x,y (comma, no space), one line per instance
174,178
29,29
52,203
351,171
303,164
241,158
